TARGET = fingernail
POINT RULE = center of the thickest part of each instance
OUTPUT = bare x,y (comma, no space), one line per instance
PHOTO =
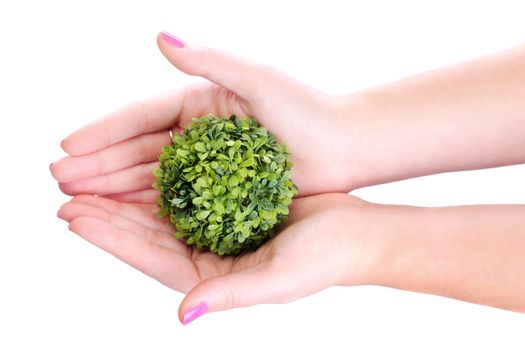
62,143
194,313
51,165
172,39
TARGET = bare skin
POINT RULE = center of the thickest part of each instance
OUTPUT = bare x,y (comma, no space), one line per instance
461,117
290,266
467,116
96,163
473,253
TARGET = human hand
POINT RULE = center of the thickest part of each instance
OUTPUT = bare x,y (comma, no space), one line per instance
115,155
322,244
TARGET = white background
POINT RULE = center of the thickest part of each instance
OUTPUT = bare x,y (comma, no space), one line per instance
64,63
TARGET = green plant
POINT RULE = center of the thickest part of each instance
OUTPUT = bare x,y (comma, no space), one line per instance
225,184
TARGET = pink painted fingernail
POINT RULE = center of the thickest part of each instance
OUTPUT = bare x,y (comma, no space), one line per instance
194,313
172,39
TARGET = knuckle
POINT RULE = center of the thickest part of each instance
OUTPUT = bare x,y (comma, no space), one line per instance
226,296
230,300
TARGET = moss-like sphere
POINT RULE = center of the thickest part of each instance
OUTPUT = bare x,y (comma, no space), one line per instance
225,184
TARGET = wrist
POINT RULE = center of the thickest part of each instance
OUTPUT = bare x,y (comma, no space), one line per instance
381,234
361,244
396,235
354,117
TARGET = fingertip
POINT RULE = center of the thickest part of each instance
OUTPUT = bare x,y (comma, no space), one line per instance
76,224
159,40
190,301
186,58
163,45
67,211
192,313
83,198
170,39
65,188
73,188
193,305
51,170
73,146
56,170
83,225
65,144
71,169
61,213
73,225
213,292
83,186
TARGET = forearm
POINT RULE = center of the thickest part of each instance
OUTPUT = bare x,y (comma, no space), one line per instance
466,116
472,253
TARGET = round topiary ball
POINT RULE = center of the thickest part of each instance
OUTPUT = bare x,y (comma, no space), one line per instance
225,184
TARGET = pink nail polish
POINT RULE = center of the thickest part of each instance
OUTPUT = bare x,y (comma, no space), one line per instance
172,39
194,313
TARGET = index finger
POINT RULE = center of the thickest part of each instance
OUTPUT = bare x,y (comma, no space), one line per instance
145,116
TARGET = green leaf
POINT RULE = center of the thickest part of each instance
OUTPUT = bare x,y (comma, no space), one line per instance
267,215
201,215
182,152
245,232
280,158
179,140
231,152
233,181
199,146
235,192
238,215
177,201
197,200
203,156
247,163
201,181
219,208
221,176
243,172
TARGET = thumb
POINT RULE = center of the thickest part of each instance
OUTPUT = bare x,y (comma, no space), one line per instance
247,79
260,284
